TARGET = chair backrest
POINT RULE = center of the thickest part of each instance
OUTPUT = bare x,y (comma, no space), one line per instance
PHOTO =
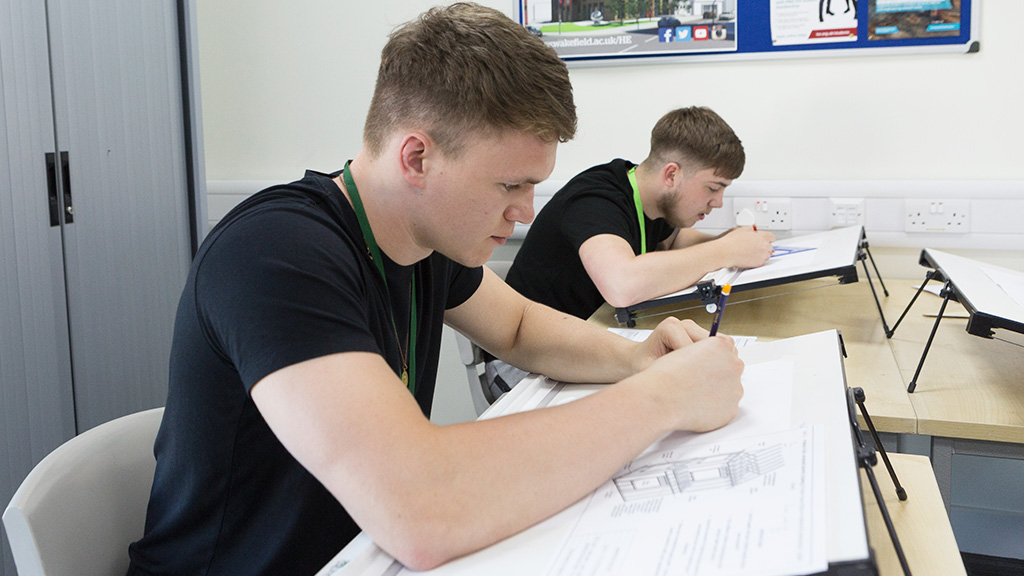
471,355
500,267
80,507
472,358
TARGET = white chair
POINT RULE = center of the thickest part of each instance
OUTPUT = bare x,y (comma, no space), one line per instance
471,355
82,505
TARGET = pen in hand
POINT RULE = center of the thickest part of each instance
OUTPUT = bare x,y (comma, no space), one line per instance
721,308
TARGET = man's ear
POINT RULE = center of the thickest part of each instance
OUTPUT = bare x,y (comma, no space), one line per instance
414,150
671,174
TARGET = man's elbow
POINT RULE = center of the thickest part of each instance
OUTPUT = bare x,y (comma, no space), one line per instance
619,294
421,558
421,552
423,536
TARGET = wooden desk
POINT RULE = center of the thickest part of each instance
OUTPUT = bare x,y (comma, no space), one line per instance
921,521
777,312
969,387
970,393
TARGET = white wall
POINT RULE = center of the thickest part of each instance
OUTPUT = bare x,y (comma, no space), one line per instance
285,87
913,117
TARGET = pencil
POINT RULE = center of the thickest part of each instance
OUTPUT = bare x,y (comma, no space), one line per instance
721,308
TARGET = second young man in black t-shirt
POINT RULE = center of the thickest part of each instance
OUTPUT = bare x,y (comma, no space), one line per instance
623,233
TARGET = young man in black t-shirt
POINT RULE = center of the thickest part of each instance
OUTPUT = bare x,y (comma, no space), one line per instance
308,333
623,233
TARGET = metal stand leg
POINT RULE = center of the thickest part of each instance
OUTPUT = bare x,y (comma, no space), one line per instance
863,255
871,284
867,459
875,266
947,291
858,395
929,276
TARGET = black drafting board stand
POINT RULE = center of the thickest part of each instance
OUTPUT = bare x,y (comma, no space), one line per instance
867,459
977,324
708,292
864,254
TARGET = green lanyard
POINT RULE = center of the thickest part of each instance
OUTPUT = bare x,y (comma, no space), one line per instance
639,209
409,369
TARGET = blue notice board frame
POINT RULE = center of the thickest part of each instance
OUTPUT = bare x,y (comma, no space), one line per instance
743,29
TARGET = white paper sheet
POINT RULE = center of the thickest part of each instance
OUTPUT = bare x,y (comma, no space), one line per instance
717,527
1008,281
644,522
734,507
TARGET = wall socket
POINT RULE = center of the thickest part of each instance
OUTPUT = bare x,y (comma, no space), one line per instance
769,213
943,216
845,212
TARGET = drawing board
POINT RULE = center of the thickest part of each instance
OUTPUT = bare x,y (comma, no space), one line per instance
993,295
790,443
818,255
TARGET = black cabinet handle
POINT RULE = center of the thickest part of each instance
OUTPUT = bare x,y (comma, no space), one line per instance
51,189
69,209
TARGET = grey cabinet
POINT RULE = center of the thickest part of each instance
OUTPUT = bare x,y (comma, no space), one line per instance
101,205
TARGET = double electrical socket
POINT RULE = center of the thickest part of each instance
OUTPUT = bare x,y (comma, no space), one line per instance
767,213
943,216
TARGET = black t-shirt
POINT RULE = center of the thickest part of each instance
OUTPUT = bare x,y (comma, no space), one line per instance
284,278
548,269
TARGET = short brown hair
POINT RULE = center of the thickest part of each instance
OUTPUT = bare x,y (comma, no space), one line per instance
698,137
468,68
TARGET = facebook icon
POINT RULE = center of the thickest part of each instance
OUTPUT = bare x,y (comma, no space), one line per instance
666,35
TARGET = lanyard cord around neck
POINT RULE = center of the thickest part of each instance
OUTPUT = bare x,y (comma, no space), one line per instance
639,209
409,369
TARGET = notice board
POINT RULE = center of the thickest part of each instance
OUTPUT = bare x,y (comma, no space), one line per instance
628,31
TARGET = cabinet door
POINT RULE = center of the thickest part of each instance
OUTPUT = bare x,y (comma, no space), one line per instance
118,113
36,407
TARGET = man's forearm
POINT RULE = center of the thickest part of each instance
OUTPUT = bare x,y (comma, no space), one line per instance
659,273
566,348
687,237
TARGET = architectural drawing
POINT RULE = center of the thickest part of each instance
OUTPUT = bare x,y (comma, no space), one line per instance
703,473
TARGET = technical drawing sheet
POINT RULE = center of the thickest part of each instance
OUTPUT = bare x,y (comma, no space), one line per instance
740,506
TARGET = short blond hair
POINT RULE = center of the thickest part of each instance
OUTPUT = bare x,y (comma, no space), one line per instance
700,139
465,69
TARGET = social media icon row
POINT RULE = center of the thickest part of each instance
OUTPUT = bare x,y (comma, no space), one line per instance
692,33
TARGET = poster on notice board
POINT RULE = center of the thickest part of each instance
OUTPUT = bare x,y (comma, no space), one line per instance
630,28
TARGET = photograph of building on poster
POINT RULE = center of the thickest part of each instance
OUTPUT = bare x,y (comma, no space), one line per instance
579,29
900,19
